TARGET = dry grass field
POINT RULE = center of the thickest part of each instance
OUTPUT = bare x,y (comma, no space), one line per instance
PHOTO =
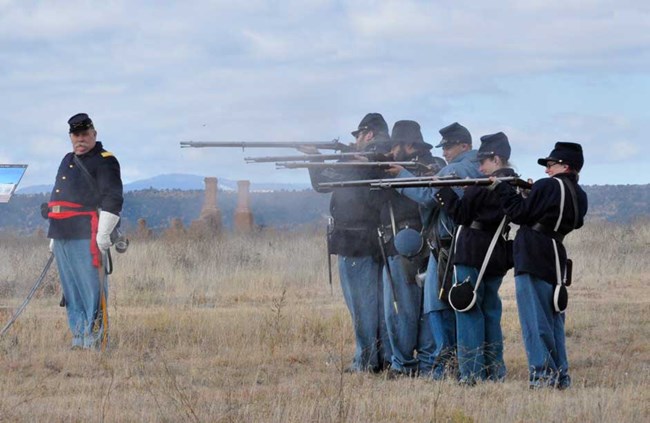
244,329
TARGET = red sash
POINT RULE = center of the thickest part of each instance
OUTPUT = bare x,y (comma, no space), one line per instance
66,213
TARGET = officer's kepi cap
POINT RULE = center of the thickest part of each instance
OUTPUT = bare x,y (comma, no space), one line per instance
494,145
80,122
569,153
454,134
372,122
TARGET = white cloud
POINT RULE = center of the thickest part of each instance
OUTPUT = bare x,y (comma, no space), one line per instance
153,74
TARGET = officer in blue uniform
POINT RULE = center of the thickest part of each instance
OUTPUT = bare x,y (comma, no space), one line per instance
479,216
83,210
555,206
408,331
353,237
462,162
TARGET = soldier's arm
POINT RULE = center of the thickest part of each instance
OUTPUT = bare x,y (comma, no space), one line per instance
109,182
460,209
527,210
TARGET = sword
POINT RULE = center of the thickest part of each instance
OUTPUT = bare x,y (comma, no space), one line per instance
32,291
101,321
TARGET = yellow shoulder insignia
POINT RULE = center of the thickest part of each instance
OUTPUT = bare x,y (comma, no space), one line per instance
107,154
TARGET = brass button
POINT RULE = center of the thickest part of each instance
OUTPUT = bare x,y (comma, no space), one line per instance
58,190
71,166
63,177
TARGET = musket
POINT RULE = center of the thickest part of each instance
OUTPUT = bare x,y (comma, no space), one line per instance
428,181
321,145
307,157
349,165
370,182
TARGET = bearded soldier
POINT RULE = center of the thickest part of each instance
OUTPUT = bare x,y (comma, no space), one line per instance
406,256
353,237
83,210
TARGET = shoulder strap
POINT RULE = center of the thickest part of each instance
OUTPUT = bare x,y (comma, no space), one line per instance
562,195
493,243
574,199
87,176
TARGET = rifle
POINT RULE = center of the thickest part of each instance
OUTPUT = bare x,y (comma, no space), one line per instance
427,181
350,165
371,182
323,145
307,157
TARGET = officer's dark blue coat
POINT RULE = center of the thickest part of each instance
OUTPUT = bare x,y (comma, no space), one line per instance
71,186
533,250
478,204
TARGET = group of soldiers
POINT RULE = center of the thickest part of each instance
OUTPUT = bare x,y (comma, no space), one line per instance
420,267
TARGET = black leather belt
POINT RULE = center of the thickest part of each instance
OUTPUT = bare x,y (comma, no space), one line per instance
538,227
483,227
403,225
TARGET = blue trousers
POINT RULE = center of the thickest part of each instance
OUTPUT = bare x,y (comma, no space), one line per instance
442,322
407,330
363,293
480,339
80,282
543,332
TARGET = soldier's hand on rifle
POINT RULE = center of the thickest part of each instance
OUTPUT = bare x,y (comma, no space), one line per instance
51,246
525,192
394,170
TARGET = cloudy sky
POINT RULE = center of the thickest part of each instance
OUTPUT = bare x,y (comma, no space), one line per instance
154,73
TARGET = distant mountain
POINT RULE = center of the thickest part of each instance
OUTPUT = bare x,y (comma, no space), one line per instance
183,182
35,189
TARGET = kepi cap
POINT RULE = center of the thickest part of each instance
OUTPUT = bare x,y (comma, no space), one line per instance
494,145
566,153
372,122
454,134
80,122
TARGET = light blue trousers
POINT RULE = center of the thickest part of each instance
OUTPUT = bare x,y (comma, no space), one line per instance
478,330
80,282
363,293
442,322
543,332
408,331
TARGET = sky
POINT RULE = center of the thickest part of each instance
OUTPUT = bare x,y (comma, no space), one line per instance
154,73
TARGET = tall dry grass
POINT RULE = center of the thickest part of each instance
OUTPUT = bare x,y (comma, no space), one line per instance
243,328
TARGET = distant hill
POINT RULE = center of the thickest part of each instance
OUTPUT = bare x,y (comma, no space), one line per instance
282,208
180,181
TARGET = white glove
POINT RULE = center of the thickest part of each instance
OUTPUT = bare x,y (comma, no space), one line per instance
107,222
51,245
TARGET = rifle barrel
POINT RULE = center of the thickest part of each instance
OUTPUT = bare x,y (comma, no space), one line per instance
320,165
325,145
305,157
426,182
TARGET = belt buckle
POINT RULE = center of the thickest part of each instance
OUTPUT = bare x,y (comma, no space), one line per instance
56,209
